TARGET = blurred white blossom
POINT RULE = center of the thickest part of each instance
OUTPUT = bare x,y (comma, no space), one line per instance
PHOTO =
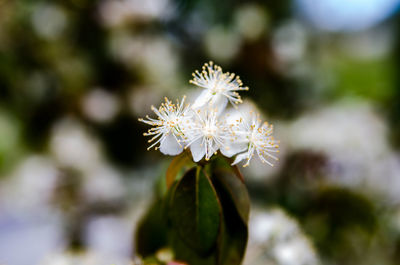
110,235
100,105
140,98
353,136
49,20
373,44
154,58
289,41
114,13
222,44
276,239
73,146
31,185
351,129
251,20
103,183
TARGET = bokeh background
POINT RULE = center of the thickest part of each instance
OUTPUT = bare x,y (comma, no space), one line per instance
76,74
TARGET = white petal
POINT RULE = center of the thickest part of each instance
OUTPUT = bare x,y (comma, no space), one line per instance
239,158
169,146
204,97
219,102
231,116
213,148
232,148
246,111
198,150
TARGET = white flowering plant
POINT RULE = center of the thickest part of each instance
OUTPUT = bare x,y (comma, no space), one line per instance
205,126
204,213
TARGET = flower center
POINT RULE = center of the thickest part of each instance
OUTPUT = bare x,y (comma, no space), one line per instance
253,137
209,131
215,91
217,88
173,123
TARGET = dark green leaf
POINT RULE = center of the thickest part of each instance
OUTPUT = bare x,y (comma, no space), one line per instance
224,163
233,236
186,253
227,177
236,191
178,164
195,212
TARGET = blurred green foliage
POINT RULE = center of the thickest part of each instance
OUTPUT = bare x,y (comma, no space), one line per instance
49,68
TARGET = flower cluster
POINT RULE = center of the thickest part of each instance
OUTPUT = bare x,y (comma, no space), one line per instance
208,125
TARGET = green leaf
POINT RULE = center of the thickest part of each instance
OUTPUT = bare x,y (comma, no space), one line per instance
224,163
195,212
184,252
236,190
234,231
227,178
151,233
178,164
233,239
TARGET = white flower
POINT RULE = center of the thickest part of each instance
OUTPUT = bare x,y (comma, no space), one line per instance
219,87
204,130
259,140
207,135
169,127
